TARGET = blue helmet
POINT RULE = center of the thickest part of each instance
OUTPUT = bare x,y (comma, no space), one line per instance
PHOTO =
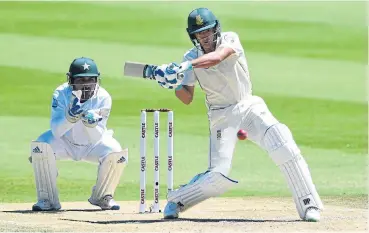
199,20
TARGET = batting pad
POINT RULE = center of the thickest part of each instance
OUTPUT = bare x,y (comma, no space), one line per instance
44,167
210,184
283,150
109,173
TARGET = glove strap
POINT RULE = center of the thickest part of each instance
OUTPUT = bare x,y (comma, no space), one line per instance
179,87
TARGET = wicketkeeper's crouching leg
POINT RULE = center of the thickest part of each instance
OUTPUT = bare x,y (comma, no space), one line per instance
279,143
108,177
45,171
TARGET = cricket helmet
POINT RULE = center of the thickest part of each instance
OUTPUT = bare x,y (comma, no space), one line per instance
84,75
201,19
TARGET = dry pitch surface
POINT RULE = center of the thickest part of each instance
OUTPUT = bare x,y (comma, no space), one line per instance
215,215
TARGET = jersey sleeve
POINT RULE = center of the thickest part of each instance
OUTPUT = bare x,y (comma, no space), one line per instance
231,40
95,134
59,124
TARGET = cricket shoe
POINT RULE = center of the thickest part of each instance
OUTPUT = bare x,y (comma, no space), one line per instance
105,203
312,215
45,205
171,210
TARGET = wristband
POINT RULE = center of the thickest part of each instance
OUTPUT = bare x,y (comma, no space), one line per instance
179,87
187,65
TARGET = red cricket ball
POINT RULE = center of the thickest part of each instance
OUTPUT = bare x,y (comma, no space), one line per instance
241,134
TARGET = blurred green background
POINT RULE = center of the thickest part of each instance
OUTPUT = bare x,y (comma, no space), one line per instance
306,59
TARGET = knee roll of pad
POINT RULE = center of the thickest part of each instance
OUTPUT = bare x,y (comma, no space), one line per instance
279,143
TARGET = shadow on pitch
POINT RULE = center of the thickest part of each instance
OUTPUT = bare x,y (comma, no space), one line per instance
178,220
52,211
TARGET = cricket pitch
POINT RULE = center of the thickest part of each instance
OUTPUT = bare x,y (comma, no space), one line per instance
251,214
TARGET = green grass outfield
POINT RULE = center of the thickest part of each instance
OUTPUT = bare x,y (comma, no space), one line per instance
307,60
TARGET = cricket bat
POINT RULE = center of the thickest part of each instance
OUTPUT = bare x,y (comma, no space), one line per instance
142,70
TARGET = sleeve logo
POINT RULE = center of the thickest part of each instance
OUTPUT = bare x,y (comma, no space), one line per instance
54,103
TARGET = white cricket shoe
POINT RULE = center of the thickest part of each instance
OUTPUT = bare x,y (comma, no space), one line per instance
312,215
105,203
45,205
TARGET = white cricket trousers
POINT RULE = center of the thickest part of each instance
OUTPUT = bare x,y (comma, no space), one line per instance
251,115
65,150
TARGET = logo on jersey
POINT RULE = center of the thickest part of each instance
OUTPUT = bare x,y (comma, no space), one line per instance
229,38
104,112
54,103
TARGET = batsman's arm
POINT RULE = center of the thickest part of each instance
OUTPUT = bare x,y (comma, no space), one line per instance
230,45
59,124
185,93
209,59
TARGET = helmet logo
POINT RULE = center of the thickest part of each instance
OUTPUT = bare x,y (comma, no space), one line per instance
86,66
199,20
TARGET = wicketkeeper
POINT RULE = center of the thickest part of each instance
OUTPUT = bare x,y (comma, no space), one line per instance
80,110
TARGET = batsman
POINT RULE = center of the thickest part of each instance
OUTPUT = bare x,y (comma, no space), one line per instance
80,110
217,62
